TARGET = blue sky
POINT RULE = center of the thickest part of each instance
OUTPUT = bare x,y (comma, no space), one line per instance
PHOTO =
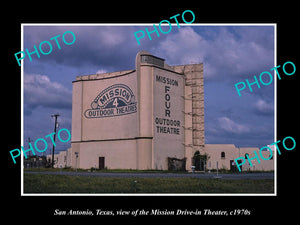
230,54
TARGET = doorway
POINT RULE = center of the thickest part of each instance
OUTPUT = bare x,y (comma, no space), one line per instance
101,163
233,166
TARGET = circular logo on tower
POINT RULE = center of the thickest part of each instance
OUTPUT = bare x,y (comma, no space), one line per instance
116,100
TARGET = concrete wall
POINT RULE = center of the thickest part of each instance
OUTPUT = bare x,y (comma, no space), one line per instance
168,117
96,133
117,154
107,127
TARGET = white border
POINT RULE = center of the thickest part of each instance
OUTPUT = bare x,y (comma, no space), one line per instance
151,24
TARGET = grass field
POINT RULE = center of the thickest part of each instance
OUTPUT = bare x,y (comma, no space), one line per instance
128,170
45,183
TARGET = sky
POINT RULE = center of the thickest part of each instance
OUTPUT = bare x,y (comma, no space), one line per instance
230,54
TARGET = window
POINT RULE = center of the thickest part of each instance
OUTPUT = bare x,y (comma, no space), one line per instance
222,155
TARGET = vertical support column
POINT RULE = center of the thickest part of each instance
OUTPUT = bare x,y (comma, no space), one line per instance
194,110
77,114
145,114
198,104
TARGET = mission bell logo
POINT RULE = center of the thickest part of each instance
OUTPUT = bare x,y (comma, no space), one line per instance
116,100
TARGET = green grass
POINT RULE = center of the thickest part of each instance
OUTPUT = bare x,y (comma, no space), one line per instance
132,170
45,183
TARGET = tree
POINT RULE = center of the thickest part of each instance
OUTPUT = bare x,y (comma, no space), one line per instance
199,160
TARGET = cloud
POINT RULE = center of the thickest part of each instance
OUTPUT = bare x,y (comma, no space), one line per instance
261,107
239,52
100,46
183,47
101,71
40,91
230,126
227,52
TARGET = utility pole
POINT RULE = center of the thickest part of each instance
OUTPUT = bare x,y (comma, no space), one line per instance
55,125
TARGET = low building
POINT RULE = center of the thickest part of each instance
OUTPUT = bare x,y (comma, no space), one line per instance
219,156
62,159
223,155
34,162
